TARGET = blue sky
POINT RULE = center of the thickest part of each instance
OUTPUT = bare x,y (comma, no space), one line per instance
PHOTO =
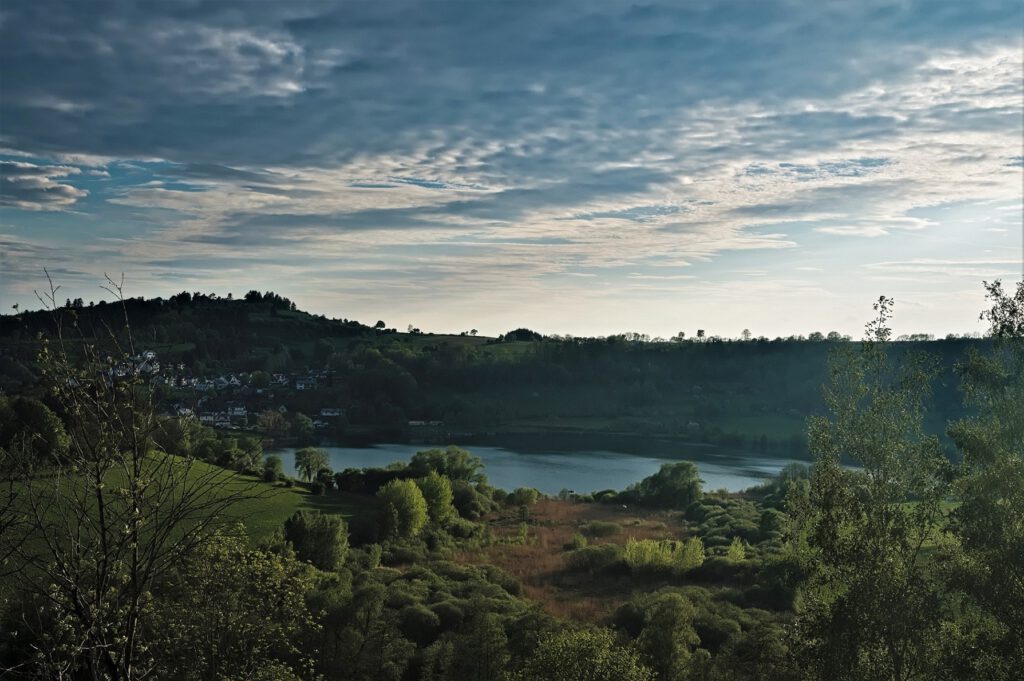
575,167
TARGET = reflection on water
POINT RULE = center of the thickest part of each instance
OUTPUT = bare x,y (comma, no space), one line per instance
582,471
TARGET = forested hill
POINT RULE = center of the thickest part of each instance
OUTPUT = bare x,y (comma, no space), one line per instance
389,385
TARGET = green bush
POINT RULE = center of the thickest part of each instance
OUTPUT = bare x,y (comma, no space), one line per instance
448,614
524,496
419,624
578,541
594,558
601,528
663,555
320,539
273,468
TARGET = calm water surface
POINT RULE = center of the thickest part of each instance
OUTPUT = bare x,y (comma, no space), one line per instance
582,471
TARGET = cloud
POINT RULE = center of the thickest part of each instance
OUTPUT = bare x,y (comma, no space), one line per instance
33,187
975,269
504,145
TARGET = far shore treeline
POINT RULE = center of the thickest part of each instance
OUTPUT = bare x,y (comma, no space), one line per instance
342,382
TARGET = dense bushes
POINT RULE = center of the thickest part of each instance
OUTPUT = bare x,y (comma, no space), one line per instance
403,509
594,558
317,538
675,485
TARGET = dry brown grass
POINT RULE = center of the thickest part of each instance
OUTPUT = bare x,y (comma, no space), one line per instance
539,564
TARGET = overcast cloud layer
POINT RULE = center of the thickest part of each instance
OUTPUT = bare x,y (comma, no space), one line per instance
585,168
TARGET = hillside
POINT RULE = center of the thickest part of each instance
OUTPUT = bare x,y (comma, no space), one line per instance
233,360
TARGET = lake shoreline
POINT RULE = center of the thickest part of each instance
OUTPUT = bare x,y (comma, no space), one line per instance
588,470
563,442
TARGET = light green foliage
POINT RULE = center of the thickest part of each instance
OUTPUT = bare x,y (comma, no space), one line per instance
524,496
318,538
577,541
656,555
873,607
523,536
437,491
309,460
584,655
404,510
675,485
648,554
691,555
231,611
737,551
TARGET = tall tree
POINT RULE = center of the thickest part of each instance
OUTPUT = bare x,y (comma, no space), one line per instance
115,516
989,523
404,510
309,460
318,538
437,491
873,605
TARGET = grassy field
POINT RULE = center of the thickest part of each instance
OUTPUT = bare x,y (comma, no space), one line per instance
262,507
539,564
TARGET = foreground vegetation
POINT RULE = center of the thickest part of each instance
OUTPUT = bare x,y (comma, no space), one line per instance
134,546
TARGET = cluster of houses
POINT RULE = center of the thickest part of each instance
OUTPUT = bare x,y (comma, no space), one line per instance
231,401
143,364
237,416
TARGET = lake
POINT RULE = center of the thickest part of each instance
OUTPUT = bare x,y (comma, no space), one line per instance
582,471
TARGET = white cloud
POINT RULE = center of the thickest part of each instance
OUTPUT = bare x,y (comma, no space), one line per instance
37,187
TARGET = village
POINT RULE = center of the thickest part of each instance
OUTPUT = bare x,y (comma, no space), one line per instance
306,404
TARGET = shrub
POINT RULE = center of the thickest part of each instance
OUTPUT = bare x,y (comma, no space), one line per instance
524,496
578,541
568,652
437,491
404,510
320,539
675,485
648,554
737,551
601,528
419,624
448,614
594,558
658,555
715,630
464,529
468,501
325,476
401,554
273,468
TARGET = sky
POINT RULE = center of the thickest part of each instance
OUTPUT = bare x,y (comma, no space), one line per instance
580,168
